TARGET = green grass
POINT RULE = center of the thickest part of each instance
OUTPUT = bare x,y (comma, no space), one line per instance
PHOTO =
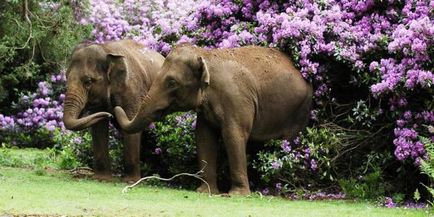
24,192
27,158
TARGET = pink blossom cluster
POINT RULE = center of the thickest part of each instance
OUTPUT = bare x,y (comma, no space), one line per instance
407,143
146,21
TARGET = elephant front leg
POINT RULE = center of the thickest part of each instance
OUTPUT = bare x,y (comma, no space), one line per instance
235,140
102,165
207,142
132,157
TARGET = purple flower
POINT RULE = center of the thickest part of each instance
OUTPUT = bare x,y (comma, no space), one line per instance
61,97
157,151
389,202
373,66
276,165
285,146
151,126
51,125
412,205
77,140
307,152
297,140
313,165
400,123
313,115
43,88
278,187
407,115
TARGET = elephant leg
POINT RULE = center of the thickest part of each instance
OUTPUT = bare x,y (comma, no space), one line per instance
235,140
207,143
132,157
102,165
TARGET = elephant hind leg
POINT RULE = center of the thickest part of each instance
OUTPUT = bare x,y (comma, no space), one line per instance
301,119
235,139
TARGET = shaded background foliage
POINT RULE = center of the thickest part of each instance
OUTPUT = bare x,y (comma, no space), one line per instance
370,63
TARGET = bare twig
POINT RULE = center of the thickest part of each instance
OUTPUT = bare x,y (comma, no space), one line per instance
80,172
195,175
352,138
81,168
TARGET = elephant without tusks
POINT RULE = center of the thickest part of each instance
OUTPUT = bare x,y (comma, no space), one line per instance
99,74
248,93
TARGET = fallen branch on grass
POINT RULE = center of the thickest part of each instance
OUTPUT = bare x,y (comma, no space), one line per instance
81,172
195,175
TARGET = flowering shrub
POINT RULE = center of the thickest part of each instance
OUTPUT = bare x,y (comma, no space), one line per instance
369,186
72,149
38,115
305,160
389,203
174,148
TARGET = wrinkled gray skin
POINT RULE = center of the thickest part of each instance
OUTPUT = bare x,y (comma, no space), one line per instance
97,75
241,94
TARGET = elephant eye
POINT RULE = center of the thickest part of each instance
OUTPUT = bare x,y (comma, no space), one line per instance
88,81
171,83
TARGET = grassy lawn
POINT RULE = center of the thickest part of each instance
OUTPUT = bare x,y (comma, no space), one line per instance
27,191
26,158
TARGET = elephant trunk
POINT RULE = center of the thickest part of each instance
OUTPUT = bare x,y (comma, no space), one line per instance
140,121
73,105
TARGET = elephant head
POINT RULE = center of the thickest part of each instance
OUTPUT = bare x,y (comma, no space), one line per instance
179,86
92,72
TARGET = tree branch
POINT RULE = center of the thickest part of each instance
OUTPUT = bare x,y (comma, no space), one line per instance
26,17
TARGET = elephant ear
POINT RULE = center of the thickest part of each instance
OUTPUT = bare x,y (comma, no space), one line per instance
204,73
117,72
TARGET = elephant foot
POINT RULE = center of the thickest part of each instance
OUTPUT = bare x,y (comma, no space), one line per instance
239,191
131,179
103,177
203,188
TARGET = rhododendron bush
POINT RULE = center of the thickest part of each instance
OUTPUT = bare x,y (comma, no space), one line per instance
370,63
386,46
